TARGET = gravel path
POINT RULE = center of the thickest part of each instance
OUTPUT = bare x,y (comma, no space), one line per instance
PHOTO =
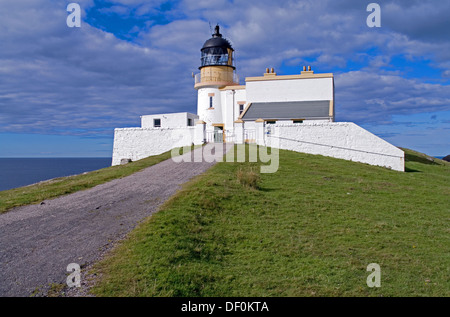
37,242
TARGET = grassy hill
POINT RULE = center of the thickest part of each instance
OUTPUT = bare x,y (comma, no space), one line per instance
49,189
310,229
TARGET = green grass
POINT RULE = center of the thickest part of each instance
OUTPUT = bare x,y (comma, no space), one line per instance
65,185
310,229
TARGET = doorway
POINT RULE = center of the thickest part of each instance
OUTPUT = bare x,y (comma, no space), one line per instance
219,135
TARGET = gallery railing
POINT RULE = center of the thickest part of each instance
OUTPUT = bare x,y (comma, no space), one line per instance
198,78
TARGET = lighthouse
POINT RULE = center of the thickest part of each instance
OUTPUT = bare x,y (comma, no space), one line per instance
292,112
217,71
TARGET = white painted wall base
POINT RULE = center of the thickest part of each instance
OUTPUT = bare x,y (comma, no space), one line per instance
139,143
344,140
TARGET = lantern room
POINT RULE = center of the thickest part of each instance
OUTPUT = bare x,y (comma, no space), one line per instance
217,51
217,63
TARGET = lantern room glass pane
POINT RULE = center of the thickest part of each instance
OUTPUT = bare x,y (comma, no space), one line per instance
216,56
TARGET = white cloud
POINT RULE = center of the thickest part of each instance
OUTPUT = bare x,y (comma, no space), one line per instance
87,81
370,97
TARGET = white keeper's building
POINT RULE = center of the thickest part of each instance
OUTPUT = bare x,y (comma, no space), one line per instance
293,112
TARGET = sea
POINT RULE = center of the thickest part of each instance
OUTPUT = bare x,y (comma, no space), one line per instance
18,172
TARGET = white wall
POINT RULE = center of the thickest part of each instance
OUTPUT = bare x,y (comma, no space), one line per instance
344,140
227,108
240,95
169,120
139,143
290,90
210,116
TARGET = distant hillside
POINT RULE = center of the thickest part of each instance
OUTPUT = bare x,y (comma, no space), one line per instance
414,156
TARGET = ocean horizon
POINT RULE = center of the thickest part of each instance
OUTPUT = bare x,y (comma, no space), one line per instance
18,172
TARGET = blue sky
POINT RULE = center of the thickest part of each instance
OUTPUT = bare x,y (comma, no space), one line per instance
64,90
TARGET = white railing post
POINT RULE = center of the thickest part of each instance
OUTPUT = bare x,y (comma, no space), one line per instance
239,131
200,133
259,127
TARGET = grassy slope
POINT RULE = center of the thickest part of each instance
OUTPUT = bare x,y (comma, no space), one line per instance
310,229
66,185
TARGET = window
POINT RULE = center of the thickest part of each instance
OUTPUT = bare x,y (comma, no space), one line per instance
210,102
157,123
297,121
271,122
189,123
241,109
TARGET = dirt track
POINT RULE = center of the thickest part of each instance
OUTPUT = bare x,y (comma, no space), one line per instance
37,242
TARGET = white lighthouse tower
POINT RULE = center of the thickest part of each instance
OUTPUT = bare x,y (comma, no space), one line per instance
217,71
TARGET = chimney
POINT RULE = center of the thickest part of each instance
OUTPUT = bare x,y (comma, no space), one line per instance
309,71
270,72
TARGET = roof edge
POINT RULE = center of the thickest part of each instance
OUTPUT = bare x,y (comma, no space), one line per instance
289,77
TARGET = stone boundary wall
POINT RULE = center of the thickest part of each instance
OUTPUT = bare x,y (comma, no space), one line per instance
139,143
344,140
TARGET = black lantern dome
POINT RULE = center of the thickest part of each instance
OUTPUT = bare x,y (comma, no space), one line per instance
217,51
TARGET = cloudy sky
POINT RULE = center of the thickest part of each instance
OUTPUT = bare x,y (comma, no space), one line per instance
64,90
